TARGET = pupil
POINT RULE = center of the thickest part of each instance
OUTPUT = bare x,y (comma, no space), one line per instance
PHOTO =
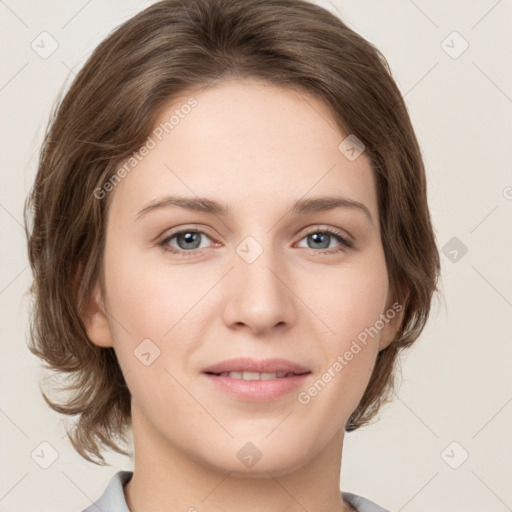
190,238
321,238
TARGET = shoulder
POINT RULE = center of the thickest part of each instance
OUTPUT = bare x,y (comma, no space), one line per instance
112,499
362,504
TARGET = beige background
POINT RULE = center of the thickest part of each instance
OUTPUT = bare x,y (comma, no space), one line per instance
457,383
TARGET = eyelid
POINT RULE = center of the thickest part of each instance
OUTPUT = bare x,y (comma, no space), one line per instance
314,228
185,229
191,227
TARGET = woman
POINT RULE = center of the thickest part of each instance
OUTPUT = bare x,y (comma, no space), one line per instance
231,244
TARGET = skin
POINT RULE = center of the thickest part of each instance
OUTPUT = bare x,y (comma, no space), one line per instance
258,148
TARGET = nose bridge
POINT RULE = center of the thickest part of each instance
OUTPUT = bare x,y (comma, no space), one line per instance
258,296
258,265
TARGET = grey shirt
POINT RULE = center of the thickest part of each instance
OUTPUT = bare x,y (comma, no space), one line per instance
112,499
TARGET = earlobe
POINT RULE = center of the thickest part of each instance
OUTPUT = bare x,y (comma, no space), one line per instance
388,333
95,320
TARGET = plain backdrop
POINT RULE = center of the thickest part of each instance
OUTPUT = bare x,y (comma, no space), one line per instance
444,442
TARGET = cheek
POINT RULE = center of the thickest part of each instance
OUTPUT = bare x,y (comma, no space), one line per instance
349,302
150,299
345,300
160,302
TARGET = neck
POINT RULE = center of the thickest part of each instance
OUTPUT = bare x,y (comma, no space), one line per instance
165,479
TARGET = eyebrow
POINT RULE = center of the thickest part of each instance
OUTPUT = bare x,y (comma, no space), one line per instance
300,207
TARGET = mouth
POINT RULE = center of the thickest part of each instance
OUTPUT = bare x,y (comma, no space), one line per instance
256,380
252,367
246,375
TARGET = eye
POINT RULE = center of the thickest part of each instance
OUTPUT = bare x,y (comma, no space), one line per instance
187,240
322,238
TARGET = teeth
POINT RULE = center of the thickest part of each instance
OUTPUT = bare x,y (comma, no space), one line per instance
255,375
250,376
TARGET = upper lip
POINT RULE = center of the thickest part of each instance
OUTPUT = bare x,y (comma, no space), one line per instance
246,364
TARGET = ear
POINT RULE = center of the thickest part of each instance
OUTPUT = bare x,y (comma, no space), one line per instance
392,317
95,319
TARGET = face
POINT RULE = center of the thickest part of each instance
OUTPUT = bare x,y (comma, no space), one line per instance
280,281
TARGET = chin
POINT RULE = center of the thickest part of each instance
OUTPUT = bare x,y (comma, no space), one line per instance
246,459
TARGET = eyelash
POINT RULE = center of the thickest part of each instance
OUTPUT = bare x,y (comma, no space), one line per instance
346,244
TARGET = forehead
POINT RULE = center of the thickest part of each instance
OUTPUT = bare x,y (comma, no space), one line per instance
246,142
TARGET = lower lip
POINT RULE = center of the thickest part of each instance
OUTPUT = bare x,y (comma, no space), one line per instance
257,390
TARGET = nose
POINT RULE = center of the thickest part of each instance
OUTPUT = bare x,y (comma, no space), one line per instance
259,297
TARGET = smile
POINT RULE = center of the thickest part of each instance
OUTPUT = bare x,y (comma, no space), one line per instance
255,375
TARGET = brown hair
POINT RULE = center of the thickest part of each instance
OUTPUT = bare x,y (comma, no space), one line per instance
169,48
